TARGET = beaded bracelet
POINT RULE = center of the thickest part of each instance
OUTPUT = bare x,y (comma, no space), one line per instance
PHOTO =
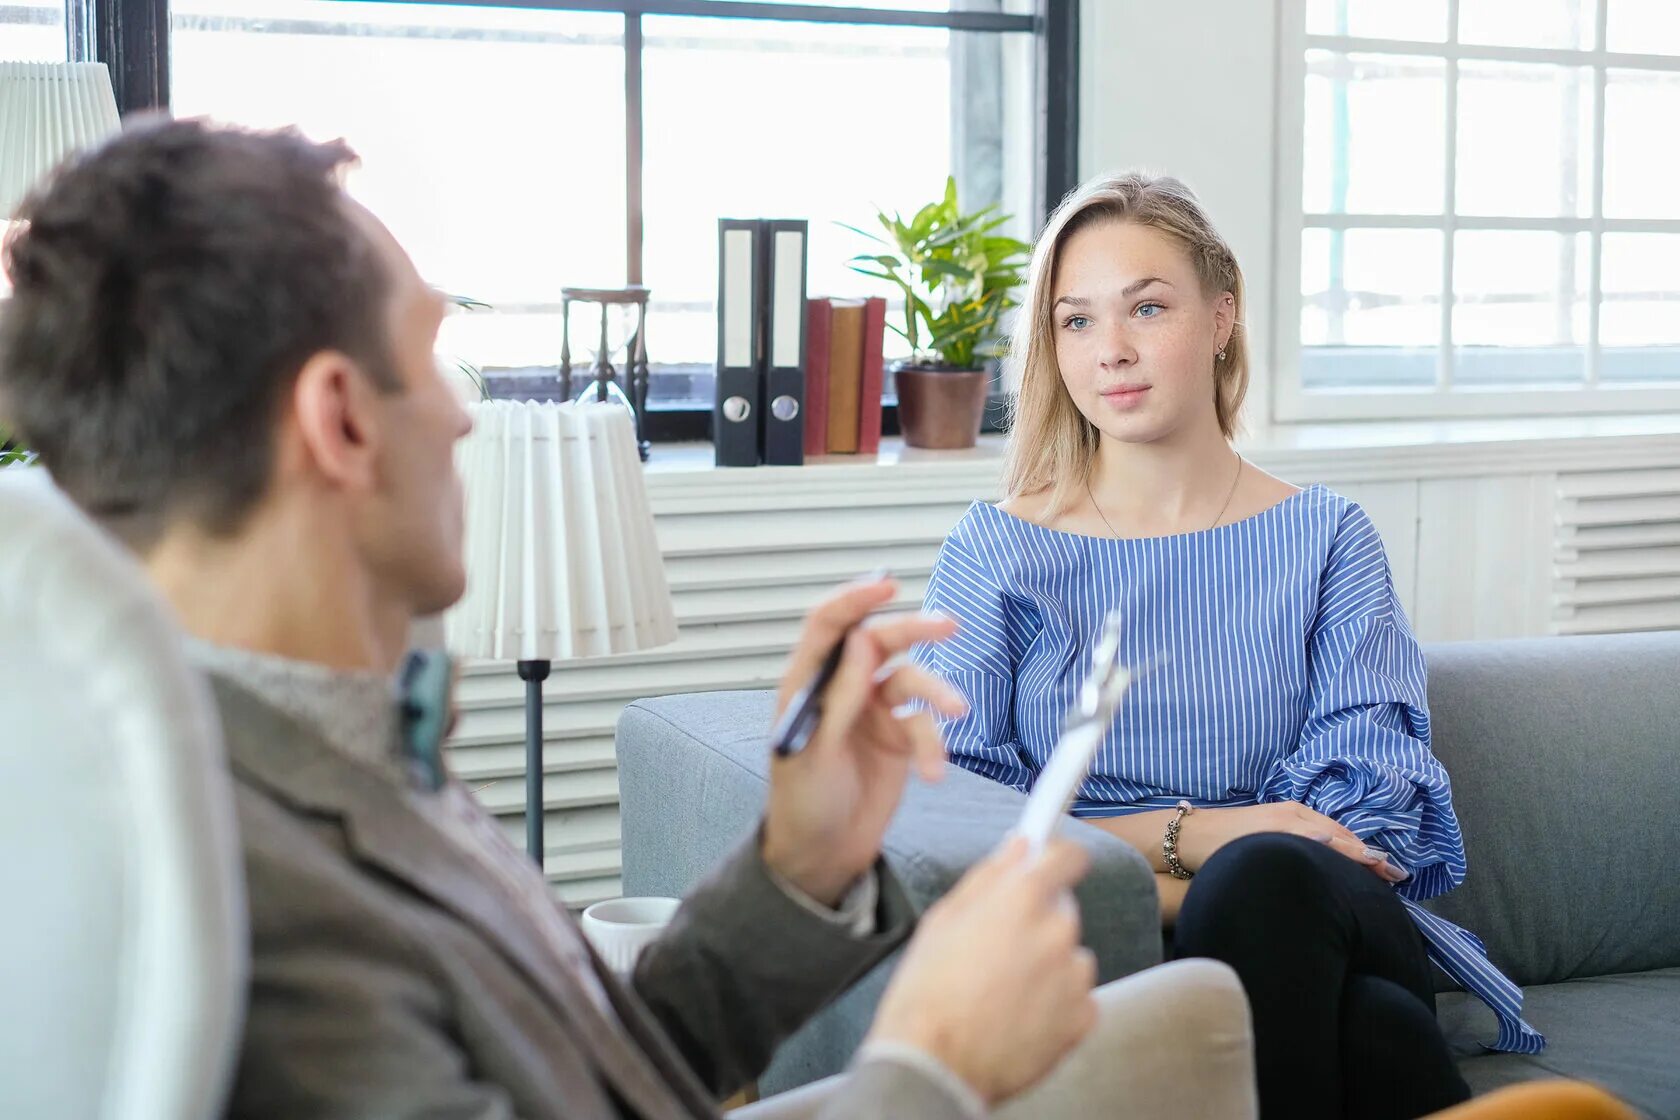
1169,843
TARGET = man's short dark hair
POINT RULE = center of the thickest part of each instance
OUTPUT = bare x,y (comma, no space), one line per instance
167,287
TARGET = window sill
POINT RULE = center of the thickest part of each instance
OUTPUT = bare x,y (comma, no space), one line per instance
1338,452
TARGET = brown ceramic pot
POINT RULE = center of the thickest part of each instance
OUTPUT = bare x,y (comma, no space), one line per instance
940,409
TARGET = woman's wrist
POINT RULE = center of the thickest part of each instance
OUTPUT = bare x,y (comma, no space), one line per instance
1170,854
1142,831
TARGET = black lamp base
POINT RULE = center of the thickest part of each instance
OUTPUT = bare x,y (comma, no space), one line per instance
533,673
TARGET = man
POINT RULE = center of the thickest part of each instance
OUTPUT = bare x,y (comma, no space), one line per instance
229,363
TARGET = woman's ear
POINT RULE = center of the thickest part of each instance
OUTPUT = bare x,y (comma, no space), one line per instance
1224,319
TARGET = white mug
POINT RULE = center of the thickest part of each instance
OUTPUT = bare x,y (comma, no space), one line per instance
621,928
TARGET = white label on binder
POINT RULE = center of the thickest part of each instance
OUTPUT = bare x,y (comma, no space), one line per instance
787,306
737,298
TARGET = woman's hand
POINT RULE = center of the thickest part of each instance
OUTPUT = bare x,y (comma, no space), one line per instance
1205,831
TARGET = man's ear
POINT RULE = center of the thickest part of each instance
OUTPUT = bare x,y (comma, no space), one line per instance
337,423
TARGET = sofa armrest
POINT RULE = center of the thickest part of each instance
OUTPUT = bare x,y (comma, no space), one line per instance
693,778
943,829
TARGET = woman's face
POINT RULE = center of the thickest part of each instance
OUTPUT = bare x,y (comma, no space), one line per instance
1135,335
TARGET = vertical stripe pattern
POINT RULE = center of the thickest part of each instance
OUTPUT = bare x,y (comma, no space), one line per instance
1278,665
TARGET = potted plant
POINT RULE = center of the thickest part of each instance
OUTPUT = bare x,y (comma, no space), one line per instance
957,277
467,378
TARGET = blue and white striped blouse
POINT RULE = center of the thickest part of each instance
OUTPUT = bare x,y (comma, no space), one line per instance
1284,669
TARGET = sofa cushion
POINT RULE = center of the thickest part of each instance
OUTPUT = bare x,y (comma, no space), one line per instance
1565,762
1622,1032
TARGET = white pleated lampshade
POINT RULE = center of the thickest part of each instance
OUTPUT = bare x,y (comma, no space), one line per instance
561,556
47,111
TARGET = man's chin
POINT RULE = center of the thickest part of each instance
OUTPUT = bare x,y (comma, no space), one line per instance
431,601
445,595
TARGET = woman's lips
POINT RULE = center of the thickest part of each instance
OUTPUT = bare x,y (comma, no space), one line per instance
1125,396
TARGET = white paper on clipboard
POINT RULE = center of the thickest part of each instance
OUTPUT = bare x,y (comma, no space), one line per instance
1086,727
1057,782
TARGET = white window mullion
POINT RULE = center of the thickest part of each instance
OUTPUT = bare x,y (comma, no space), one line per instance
1557,56
1462,222
1595,240
1449,208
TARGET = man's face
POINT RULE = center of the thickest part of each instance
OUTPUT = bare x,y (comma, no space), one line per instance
409,525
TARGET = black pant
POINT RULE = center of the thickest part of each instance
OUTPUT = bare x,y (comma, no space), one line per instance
1335,971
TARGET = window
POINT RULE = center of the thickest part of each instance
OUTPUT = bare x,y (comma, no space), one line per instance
32,31
500,144
491,140
1483,221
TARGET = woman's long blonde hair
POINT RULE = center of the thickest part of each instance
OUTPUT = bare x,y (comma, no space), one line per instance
1051,445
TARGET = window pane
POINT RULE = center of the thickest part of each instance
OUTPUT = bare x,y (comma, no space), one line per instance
1519,308
1370,308
492,140
1639,321
1644,26
790,120
1640,108
1524,140
1379,19
1559,24
32,31
1375,135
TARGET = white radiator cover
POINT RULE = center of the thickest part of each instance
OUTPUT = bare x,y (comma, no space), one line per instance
1617,559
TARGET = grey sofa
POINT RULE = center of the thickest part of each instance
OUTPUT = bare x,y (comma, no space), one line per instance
1565,757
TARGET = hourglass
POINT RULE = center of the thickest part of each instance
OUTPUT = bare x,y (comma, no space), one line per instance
603,384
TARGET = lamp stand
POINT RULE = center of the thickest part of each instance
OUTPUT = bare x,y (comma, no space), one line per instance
533,673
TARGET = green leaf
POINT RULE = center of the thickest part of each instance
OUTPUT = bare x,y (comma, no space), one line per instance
924,219
466,302
473,374
873,275
946,268
861,233
1000,220
1005,246
964,330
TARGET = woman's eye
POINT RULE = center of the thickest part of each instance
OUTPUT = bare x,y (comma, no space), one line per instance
1076,322
1149,310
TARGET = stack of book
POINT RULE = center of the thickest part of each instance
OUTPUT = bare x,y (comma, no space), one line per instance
843,375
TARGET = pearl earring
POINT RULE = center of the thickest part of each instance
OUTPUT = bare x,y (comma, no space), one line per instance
1222,353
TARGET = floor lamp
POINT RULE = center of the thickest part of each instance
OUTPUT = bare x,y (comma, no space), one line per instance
562,560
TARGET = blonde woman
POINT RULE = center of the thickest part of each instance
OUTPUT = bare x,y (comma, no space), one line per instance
1274,767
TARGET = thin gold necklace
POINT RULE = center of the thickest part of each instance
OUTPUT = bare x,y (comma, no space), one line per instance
1220,517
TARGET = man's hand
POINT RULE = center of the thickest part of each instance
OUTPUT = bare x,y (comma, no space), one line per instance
995,983
830,803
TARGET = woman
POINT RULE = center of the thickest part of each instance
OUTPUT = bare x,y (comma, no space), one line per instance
1273,761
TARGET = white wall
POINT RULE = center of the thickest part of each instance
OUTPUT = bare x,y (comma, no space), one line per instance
1190,89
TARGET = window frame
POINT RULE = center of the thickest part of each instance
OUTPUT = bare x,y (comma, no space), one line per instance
1291,402
126,37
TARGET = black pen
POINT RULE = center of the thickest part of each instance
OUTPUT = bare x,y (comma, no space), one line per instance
804,710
